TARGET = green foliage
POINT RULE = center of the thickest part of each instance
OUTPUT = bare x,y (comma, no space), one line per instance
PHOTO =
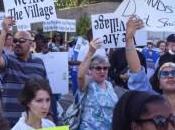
65,3
72,3
83,25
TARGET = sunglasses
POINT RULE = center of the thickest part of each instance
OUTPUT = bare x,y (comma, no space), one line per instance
160,121
99,68
165,74
20,40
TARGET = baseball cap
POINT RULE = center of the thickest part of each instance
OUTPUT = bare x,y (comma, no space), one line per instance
171,38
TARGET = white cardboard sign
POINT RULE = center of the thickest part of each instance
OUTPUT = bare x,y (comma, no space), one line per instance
158,15
30,10
56,64
112,31
23,26
61,25
2,16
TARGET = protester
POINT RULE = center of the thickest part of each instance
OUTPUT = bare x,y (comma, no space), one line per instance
118,71
143,111
151,56
165,77
8,45
162,47
41,43
57,43
100,96
169,56
16,69
36,99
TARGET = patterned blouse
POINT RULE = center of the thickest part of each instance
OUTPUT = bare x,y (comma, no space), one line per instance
98,107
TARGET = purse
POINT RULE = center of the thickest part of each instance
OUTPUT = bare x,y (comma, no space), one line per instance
73,113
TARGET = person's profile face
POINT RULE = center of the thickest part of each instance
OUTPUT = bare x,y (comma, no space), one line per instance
39,106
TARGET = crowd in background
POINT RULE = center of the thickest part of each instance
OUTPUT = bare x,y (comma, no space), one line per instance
124,88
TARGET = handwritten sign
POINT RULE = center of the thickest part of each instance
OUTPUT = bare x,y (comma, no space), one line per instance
112,30
61,25
56,128
30,10
158,15
2,16
56,64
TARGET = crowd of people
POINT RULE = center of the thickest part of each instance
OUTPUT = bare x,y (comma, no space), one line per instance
123,88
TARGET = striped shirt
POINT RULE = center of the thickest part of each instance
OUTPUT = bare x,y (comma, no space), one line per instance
14,74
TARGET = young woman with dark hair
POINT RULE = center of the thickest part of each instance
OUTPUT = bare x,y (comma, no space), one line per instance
143,111
36,99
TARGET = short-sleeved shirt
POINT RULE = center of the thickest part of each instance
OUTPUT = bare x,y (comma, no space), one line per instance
14,74
98,107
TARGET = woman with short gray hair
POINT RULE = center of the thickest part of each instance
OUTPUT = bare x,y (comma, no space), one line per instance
100,97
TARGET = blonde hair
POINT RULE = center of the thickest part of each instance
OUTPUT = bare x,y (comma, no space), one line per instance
167,64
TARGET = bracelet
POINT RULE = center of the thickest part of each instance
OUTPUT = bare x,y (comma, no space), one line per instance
130,48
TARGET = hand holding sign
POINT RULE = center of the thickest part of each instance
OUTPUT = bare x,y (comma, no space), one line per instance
132,25
95,44
7,23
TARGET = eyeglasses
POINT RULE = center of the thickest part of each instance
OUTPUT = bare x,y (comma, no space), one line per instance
160,121
20,40
165,74
99,68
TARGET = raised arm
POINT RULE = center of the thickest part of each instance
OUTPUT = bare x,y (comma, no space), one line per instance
137,79
84,66
6,25
133,60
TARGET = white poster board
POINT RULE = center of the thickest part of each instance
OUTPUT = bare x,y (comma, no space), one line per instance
158,15
56,64
2,16
61,25
112,31
23,26
81,43
30,10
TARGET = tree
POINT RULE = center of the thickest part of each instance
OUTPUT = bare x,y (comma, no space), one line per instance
83,25
74,3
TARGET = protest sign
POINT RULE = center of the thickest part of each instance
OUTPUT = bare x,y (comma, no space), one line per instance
2,16
158,15
23,26
112,30
30,10
81,42
56,64
61,25
56,128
